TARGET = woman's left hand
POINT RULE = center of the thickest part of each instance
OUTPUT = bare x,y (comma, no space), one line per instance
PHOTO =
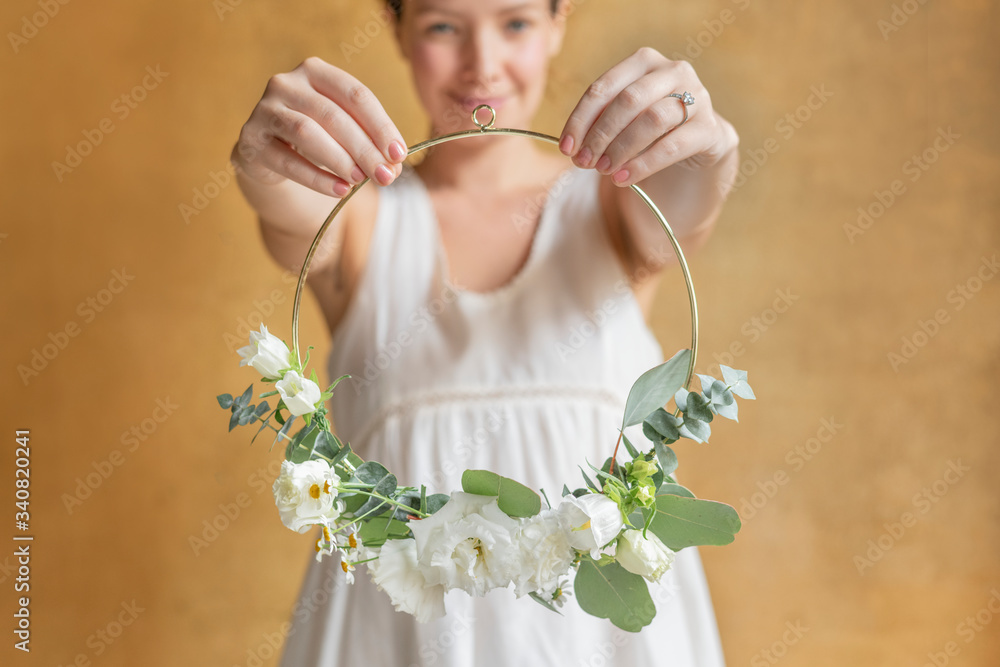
628,125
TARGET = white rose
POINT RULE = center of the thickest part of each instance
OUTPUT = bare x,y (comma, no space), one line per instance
591,521
467,544
306,494
266,353
545,554
396,572
645,556
299,394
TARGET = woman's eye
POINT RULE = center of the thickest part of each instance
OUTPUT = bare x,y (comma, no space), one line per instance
441,28
517,25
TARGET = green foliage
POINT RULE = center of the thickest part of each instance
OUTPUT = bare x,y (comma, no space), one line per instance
682,521
515,499
614,593
655,387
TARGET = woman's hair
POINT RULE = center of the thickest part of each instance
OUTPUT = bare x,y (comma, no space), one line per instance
397,6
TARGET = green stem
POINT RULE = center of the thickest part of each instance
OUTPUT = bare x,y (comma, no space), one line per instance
422,515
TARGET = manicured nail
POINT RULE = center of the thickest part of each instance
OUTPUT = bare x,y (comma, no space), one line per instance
397,151
584,157
621,176
341,189
566,144
357,175
604,163
383,175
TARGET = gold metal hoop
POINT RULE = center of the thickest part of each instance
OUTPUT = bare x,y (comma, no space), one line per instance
487,128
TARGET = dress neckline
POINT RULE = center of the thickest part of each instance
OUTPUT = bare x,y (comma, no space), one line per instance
536,240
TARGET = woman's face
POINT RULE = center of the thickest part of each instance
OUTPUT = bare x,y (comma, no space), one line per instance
464,53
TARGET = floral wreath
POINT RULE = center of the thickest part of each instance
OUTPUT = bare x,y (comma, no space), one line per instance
618,531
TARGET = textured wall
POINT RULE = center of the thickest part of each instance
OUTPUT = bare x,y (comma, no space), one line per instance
856,533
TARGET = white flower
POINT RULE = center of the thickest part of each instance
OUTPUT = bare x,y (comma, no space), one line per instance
266,353
545,554
467,544
299,394
306,494
591,521
645,556
396,572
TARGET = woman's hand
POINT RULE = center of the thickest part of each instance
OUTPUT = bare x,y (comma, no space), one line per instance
628,126
322,128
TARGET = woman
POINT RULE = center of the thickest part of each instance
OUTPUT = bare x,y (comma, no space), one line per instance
461,311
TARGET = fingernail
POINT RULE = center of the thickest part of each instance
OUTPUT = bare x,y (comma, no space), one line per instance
566,144
383,175
604,163
341,189
357,175
621,176
397,151
584,157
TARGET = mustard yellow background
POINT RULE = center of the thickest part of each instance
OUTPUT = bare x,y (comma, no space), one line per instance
867,481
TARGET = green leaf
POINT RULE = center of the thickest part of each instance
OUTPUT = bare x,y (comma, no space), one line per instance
542,601
225,400
666,457
326,444
244,398
695,429
614,593
632,451
336,382
344,452
261,409
283,431
686,522
515,499
381,481
377,530
671,489
697,407
661,425
268,393
655,387
588,482
436,501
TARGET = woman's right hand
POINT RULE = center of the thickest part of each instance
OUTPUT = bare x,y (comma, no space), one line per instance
322,128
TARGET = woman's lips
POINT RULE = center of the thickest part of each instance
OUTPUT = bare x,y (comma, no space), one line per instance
470,103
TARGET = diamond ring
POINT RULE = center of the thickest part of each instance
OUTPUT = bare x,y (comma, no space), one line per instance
687,99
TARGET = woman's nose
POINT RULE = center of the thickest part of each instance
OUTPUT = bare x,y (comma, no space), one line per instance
483,60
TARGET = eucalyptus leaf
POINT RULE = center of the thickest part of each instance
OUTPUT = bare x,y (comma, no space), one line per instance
614,593
262,409
697,407
737,381
672,489
326,444
666,457
225,400
515,499
655,387
707,384
385,487
244,398
728,411
588,481
542,601
660,425
685,522
695,429
721,394
234,420
245,415
436,502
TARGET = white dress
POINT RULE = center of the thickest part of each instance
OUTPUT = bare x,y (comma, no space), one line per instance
529,381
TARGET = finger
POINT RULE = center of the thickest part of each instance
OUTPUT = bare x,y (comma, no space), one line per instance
593,102
649,126
360,103
628,105
282,159
677,145
315,144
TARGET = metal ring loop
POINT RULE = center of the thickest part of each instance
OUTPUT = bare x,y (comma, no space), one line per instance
489,129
